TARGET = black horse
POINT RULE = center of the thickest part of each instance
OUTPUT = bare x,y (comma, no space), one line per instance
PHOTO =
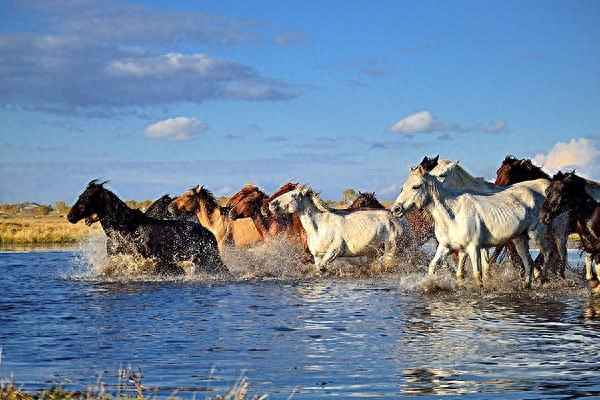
131,231
567,192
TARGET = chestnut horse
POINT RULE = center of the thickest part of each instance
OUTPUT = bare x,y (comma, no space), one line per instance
248,203
251,202
215,218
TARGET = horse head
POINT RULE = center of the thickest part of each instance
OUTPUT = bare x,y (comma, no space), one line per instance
565,191
414,193
246,203
513,170
89,205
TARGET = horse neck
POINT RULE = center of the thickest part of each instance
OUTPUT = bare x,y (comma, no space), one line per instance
439,207
262,224
117,215
213,219
310,216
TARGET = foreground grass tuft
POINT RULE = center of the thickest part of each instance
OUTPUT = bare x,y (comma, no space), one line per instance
130,387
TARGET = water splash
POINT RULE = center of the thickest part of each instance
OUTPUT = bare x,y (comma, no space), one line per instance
285,261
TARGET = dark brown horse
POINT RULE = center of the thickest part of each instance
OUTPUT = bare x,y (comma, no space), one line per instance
567,193
514,171
133,232
365,200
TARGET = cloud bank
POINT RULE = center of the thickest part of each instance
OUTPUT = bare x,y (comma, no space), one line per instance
88,54
576,154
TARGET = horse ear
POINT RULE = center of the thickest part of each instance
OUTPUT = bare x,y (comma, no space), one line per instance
435,159
105,182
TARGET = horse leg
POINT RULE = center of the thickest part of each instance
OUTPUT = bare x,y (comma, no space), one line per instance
515,258
521,245
485,263
322,261
496,254
475,256
588,265
440,252
460,267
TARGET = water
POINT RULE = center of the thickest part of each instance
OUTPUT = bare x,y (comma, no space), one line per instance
311,338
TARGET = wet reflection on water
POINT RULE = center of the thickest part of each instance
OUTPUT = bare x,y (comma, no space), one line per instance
345,338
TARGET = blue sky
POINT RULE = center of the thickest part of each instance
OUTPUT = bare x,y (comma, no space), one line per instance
161,95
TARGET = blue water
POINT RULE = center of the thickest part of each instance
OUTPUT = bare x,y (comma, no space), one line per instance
313,339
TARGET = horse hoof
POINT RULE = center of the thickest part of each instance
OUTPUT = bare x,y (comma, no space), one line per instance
593,284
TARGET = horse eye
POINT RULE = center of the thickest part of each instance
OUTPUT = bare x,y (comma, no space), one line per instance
416,187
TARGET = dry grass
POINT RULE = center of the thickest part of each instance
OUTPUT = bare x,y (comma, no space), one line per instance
130,390
49,229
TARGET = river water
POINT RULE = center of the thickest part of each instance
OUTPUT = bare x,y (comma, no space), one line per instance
385,336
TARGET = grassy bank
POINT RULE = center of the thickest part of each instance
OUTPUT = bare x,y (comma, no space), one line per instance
131,388
47,229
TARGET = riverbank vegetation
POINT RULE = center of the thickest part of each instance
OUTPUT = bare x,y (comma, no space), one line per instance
129,389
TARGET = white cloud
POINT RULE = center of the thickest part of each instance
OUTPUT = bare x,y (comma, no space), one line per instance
178,128
420,122
172,63
425,122
577,153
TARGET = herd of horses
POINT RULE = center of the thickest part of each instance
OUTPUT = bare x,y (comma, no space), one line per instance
440,200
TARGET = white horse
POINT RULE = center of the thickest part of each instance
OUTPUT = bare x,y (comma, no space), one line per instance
469,223
453,176
336,233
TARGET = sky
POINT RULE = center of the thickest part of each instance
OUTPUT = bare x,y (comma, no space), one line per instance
158,96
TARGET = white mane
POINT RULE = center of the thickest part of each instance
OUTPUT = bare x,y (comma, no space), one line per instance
454,175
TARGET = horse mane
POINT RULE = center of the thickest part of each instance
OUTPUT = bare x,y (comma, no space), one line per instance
209,199
246,191
429,163
368,198
446,167
316,199
287,187
117,206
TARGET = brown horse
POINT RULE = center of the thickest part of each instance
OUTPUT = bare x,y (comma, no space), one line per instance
514,171
249,203
215,218
365,200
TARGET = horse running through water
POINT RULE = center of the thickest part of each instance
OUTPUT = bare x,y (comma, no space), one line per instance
336,233
419,222
210,214
567,193
132,232
249,203
513,170
471,223
454,177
